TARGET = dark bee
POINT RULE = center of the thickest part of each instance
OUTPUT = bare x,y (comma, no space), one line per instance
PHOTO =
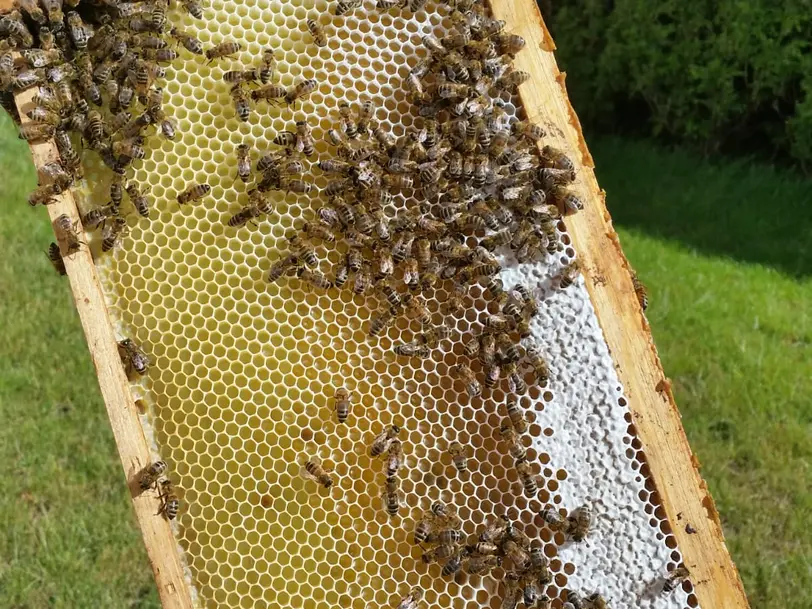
152,472
315,471
67,234
675,578
345,6
97,217
224,49
189,42
381,442
393,497
342,404
241,104
55,256
301,89
133,357
170,503
244,162
317,31
193,193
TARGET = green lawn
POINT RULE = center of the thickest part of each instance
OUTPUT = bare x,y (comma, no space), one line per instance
69,538
730,311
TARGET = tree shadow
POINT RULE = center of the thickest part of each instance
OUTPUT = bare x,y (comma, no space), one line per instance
748,212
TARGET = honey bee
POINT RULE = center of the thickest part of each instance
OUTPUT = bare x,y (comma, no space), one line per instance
32,9
281,267
241,104
493,372
267,66
579,522
245,215
131,148
97,217
516,416
314,278
382,320
574,601
77,29
244,162
412,349
515,447
160,55
527,477
189,42
516,383
675,578
224,49
568,202
193,193
193,8
513,594
317,231
315,471
236,77
44,195
304,139
269,92
596,601
342,273
499,323
411,600
454,563
445,516
66,233
459,457
149,477
467,376
133,357
394,460
112,232
55,256
170,503
482,563
569,274
393,497
342,404
301,89
440,552
640,291
455,303
317,31
416,309
32,132
495,532
433,335
554,519
345,6
365,113
383,440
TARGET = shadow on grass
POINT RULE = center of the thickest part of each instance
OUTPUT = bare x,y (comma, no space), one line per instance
748,213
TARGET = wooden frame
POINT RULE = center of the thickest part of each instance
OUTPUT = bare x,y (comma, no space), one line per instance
673,467
162,549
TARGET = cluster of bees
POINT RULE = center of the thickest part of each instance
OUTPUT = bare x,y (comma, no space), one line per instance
475,181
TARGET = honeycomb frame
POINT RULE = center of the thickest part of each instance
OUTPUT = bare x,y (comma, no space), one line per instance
645,451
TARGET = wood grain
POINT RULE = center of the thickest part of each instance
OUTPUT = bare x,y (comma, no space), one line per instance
133,451
673,466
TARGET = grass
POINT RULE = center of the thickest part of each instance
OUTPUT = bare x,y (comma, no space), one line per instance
729,310
68,537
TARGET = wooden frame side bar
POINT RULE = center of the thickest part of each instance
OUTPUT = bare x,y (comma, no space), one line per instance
133,451
674,468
